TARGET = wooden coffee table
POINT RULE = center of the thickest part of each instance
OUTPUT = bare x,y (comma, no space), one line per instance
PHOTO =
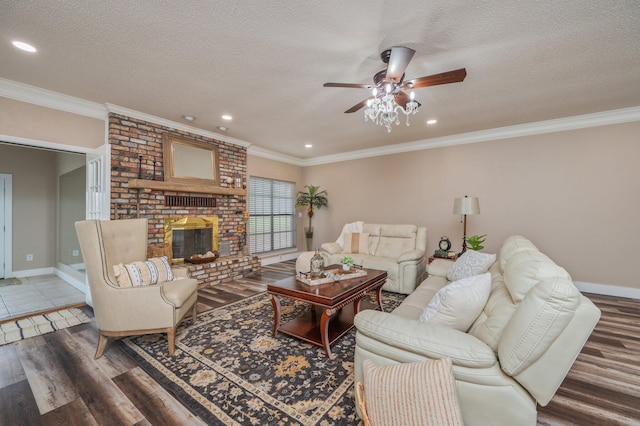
333,306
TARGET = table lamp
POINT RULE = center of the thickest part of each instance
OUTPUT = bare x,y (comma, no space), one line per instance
465,206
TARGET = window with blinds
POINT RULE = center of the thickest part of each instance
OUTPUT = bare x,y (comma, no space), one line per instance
271,215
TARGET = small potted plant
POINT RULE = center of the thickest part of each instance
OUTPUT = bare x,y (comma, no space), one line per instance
347,262
474,242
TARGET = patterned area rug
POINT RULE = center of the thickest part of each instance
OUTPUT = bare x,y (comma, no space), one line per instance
41,324
228,369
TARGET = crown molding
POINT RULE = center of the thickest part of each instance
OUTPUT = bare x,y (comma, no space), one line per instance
605,118
178,126
54,100
35,95
276,156
52,146
46,98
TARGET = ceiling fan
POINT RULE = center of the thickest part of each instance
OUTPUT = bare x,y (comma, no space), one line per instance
389,85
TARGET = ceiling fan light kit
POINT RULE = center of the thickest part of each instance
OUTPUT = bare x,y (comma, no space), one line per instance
384,111
388,99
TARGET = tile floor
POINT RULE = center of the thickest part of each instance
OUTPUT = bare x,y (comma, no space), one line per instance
36,294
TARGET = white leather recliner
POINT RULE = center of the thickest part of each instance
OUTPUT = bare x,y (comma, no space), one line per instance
517,352
398,249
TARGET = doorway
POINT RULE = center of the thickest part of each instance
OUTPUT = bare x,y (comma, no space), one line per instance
42,186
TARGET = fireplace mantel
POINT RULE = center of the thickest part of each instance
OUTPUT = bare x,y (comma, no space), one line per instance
180,187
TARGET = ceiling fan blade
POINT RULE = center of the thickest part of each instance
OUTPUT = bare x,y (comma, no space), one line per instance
357,106
401,99
398,61
454,76
352,85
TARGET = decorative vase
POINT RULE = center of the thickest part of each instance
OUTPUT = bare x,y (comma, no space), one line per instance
308,233
346,267
317,265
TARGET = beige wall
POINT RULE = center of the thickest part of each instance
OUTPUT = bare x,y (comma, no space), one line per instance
35,173
34,122
34,183
262,167
575,194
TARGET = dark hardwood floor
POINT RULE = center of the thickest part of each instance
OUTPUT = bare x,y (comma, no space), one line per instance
54,380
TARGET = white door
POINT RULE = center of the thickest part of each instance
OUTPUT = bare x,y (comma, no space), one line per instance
98,191
99,183
5,225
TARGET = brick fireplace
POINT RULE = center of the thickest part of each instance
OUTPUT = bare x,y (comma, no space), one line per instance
137,156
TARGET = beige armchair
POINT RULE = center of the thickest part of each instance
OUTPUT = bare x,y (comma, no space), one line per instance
126,311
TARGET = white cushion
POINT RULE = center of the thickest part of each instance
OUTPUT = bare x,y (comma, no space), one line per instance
526,269
458,304
469,264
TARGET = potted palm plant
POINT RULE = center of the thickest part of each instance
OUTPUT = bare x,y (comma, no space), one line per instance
312,198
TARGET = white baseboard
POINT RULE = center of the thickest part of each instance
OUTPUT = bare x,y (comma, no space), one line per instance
32,272
281,257
608,290
79,285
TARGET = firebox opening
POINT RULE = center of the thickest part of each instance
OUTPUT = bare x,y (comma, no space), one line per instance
191,235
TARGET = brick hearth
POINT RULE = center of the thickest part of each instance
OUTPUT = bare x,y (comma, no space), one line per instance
137,153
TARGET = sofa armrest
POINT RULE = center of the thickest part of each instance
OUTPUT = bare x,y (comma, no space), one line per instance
439,267
331,248
411,255
429,340
180,272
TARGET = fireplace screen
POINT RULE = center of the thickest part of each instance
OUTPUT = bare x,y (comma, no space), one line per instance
191,235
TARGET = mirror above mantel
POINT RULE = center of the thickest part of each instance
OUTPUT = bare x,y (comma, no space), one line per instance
189,166
189,161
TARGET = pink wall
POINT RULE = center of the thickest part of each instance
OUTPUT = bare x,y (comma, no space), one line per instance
575,194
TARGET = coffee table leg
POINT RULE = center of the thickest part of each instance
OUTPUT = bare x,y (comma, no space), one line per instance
276,313
324,331
378,296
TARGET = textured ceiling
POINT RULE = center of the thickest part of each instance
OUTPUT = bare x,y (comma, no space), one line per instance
264,62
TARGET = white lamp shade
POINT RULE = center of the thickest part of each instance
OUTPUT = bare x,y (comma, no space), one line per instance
466,205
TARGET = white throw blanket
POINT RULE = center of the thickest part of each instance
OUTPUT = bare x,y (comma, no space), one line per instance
353,227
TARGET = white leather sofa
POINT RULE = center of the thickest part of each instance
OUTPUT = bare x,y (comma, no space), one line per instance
517,352
398,249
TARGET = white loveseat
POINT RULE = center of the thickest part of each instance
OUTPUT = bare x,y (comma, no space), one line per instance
516,353
398,249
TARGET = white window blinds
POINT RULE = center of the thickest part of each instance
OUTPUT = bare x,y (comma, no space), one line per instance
271,215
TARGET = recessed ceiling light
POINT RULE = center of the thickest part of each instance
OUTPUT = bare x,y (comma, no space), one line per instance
308,145
24,46
432,121
222,128
188,117
227,117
